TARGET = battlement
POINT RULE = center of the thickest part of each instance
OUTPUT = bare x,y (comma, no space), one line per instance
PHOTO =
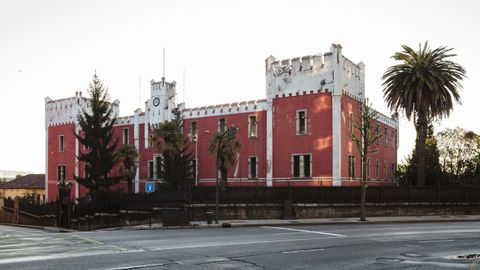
382,118
66,110
226,109
330,70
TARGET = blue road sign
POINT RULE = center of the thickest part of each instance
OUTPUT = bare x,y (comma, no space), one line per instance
150,187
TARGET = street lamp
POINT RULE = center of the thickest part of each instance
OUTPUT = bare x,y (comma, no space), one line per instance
231,132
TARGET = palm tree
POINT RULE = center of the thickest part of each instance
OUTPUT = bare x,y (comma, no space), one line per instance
128,155
423,86
225,147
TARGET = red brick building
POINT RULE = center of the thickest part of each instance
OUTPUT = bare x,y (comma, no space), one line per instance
298,136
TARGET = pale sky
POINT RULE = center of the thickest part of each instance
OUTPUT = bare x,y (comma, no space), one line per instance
52,48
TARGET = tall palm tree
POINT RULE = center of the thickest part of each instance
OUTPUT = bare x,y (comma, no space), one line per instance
423,86
128,156
225,147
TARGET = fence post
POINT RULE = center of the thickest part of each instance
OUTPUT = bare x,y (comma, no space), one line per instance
381,192
465,193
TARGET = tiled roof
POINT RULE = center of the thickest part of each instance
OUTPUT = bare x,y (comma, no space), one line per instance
36,181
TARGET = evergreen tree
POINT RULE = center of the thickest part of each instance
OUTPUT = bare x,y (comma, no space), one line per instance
97,126
433,174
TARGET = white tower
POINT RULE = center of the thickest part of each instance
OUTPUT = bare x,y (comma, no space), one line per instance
162,101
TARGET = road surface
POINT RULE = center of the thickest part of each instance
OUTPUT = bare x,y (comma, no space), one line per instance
352,246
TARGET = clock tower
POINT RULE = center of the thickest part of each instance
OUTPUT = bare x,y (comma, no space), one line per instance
162,101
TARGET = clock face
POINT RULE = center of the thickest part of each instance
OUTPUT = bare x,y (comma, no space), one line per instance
156,101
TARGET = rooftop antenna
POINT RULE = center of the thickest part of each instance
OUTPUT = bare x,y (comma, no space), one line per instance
163,62
183,86
139,92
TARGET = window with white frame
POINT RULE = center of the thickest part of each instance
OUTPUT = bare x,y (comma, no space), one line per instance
350,121
157,166
61,172
302,166
150,140
386,136
150,169
377,134
301,122
385,176
393,139
222,125
367,169
351,166
377,169
393,170
252,167
61,143
125,135
194,132
252,126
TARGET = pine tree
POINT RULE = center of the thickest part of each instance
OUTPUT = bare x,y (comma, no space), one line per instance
97,138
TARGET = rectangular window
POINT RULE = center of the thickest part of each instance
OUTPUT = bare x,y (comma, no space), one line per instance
252,167
385,170
157,167
301,166
150,169
377,134
351,124
194,132
125,136
367,169
222,125
377,169
194,170
393,171
301,122
252,126
386,136
61,143
62,172
150,140
351,166
393,139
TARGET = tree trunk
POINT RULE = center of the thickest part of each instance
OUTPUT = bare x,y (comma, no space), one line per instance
363,187
421,127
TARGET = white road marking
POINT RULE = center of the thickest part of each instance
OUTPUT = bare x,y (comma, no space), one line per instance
138,266
304,231
437,241
303,250
216,244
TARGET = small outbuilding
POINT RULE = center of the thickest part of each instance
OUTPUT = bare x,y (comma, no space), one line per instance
30,185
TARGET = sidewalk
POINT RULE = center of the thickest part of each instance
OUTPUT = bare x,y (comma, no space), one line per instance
314,221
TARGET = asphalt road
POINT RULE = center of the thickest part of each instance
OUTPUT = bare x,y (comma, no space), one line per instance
357,246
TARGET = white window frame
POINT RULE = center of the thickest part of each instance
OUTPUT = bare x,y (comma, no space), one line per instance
150,140
61,175
351,166
61,143
156,173
150,172
250,176
219,127
350,123
125,135
193,135
301,173
386,136
297,122
250,125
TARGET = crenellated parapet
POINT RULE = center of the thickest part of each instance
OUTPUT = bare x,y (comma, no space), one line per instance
329,71
226,109
389,121
65,111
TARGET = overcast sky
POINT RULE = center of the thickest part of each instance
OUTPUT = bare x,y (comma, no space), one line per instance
52,48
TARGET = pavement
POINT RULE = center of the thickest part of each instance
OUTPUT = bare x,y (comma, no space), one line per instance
280,222
313,221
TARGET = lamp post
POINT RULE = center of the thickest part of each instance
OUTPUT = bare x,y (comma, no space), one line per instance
231,132
196,159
